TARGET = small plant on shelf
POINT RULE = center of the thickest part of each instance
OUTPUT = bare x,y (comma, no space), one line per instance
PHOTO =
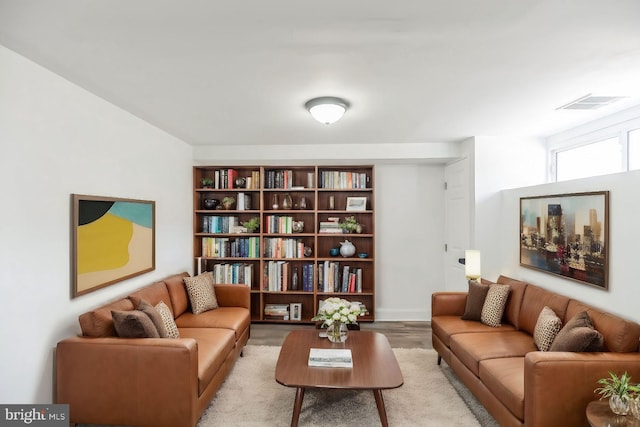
252,224
349,225
207,182
619,390
228,202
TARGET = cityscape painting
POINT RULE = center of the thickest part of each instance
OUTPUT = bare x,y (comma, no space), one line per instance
567,235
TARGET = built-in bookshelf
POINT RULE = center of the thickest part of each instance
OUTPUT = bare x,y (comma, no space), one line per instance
293,258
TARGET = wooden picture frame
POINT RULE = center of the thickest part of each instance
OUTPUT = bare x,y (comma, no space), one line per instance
295,311
567,235
356,204
113,239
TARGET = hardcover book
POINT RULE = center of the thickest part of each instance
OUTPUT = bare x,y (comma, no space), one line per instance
330,357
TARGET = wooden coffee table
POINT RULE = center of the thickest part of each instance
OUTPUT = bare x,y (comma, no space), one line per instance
374,367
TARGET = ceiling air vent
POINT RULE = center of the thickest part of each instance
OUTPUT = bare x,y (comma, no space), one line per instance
589,102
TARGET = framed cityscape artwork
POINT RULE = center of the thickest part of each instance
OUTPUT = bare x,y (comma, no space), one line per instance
113,239
567,235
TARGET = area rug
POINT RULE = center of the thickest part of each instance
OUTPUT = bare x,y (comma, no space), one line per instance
251,397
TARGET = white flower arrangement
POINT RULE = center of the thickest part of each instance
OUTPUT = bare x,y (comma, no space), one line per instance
338,310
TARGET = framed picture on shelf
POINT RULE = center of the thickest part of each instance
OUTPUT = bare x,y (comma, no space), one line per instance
356,204
567,235
295,310
113,239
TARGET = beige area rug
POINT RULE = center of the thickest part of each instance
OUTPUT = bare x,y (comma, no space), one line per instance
251,397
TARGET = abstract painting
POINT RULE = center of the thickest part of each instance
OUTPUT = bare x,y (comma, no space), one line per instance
567,235
113,240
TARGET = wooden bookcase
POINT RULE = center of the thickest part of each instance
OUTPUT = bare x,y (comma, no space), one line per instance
290,239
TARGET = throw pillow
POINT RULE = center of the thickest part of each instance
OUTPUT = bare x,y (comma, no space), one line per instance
547,327
493,306
153,314
168,320
578,335
475,300
133,324
201,292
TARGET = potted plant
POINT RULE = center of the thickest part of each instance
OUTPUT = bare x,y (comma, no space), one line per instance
207,182
349,225
228,202
252,224
618,389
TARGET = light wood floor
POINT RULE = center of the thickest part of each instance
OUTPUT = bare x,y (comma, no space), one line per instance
399,334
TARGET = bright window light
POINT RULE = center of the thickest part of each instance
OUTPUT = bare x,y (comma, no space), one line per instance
634,149
598,158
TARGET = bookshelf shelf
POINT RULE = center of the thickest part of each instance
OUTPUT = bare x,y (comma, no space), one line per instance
269,258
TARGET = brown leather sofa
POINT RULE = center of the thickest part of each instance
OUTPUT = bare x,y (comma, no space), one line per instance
152,382
502,367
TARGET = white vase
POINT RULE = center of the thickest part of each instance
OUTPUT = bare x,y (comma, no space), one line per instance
347,249
337,332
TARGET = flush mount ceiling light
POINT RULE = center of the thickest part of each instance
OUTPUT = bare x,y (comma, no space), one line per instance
327,109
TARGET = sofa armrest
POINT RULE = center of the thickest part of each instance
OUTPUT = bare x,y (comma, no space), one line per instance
233,296
559,385
448,303
128,381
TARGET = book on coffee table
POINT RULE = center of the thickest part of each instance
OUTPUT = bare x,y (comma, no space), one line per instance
330,357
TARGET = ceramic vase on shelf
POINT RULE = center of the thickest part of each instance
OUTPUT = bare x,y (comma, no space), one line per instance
287,203
347,249
337,332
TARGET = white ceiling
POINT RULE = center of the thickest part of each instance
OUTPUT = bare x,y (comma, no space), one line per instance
420,71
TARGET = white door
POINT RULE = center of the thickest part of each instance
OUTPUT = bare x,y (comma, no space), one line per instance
457,223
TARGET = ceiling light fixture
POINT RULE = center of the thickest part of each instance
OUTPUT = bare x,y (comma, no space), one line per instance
327,109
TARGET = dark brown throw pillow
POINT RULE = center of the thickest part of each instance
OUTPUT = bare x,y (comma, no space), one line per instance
134,324
475,300
153,314
578,335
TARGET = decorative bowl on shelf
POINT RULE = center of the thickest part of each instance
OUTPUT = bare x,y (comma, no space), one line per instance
210,203
334,251
363,255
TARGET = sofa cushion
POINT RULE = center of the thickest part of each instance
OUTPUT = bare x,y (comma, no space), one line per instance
214,346
201,293
144,306
475,300
620,335
134,324
446,326
167,320
578,335
473,348
153,294
504,377
535,298
237,319
514,302
493,306
99,322
178,293
547,328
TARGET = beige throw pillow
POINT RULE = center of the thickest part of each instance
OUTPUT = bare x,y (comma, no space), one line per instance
201,292
547,327
494,304
168,320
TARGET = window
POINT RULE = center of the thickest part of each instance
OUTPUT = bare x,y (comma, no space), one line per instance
634,149
597,158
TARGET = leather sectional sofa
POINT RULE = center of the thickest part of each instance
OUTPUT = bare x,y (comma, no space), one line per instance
152,382
516,382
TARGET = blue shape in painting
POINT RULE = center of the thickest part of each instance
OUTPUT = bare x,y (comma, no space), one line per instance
139,213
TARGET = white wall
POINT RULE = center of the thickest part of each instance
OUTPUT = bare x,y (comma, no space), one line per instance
57,139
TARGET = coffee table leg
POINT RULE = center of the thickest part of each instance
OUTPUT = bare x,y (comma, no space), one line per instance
297,406
377,393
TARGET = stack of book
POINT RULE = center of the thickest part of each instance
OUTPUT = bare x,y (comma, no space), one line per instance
276,311
330,357
330,226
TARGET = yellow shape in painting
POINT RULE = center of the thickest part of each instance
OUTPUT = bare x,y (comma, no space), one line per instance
104,244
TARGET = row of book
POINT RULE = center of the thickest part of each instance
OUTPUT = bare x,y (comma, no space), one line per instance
280,247
343,180
226,178
225,247
280,276
278,224
219,224
336,277
279,179
236,273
